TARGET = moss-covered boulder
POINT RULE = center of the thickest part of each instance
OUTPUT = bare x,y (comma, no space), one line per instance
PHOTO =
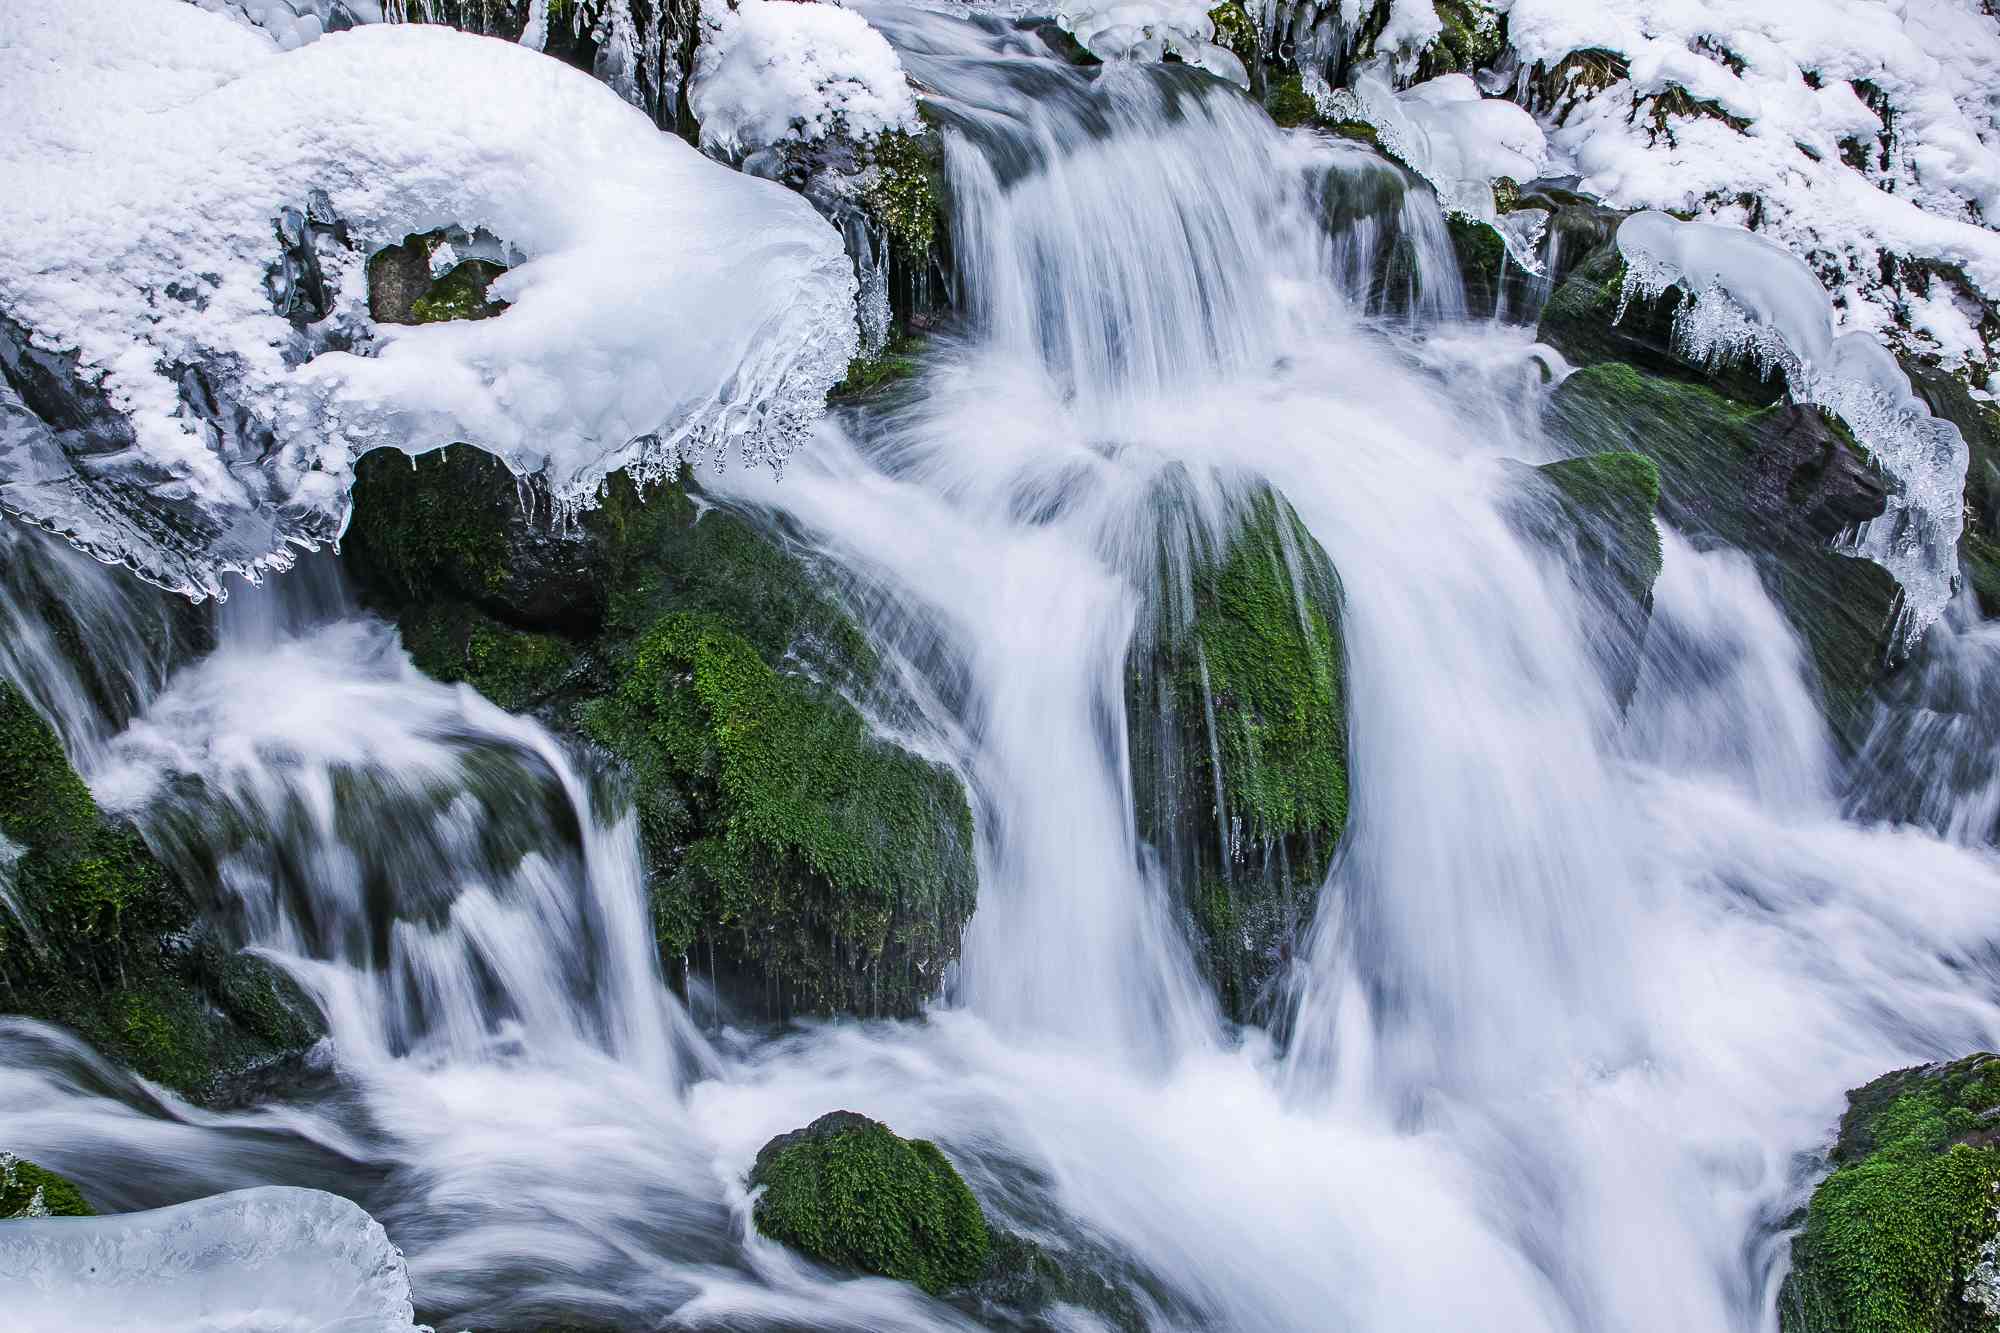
796,860
1781,482
1597,511
1904,1235
27,1191
101,937
848,1192
1236,698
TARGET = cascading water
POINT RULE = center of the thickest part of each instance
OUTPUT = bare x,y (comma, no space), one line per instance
1582,990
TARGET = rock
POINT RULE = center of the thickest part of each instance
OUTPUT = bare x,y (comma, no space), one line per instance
26,1190
1779,482
848,1192
1601,518
1902,1236
107,941
797,861
1231,646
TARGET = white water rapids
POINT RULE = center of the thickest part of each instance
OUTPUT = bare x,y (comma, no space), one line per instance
1584,989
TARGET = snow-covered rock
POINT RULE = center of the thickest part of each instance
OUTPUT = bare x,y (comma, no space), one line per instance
275,1259
1151,30
667,305
775,70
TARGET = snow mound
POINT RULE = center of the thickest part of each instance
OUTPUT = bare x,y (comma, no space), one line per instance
274,1259
1748,298
1145,30
1862,135
772,70
1460,142
667,306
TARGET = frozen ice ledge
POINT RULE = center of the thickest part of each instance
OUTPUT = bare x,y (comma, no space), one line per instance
159,410
276,1259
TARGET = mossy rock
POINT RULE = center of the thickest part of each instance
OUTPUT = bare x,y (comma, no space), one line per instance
1780,482
869,375
1482,262
401,289
1236,32
1474,36
1903,1236
109,943
848,1192
1290,104
29,1191
832,869
1260,654
517,669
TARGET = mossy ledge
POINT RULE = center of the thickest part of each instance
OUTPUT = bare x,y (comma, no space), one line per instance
795,859
29,1191
848,1192
107,942
1904,1235
1254,679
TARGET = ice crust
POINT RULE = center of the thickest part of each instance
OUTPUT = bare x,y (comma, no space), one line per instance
274,1259
774,70
1150,30
667,305
1895,154
1749,298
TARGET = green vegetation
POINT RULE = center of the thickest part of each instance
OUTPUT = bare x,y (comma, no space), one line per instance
1235,31
1256,681
905,191
1290,104
1472,39
1621,490
26,1190
839,864
848,1192
793,857
108,943
1902,1237
892,365
459,294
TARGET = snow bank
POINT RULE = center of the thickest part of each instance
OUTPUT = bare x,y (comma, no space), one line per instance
770,70
1863,130
667,305
275,1259
1751,299
1150,30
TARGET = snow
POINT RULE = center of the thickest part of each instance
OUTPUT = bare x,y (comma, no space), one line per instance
775,70
667,305
1750,298
293,23
1145,30
275,1259
1447,133
1920,180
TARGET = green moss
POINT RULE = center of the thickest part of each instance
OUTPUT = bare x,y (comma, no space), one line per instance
1622,490
1290,104
459,294
905,191
892,365
106,940
1893,1235
834,863
1236,31
1246,701
26,1190
849,1192
1472,38
516,669
438,527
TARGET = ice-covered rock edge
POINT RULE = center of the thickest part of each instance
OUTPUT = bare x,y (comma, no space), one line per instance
667,306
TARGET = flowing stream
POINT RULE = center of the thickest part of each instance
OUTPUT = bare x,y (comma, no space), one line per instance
1584,988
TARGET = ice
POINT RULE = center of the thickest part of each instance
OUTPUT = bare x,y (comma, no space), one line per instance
773,70
293,23
668,306
1866,137
1150,30
1748,298
1459,141
274,1259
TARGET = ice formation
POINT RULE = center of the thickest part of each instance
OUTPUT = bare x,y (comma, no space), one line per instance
1748,298
1863,136
1460,142
770,70
667,305
276,1259
1151,30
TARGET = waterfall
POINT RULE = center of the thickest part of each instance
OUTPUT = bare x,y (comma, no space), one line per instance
1583,987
